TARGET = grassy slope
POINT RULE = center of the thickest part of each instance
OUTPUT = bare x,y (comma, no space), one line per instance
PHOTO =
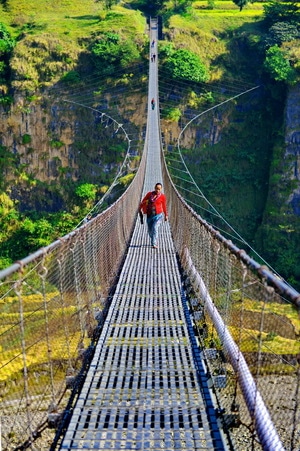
50,33
209,32
70,20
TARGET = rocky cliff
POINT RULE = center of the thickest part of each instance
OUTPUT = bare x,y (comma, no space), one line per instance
292,150
40,141
47,135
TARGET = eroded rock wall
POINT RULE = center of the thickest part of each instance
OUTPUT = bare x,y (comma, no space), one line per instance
292,140
39,139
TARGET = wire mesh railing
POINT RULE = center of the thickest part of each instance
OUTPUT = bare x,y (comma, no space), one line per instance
247,320
51,304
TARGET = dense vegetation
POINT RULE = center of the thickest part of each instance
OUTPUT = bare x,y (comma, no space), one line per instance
206,45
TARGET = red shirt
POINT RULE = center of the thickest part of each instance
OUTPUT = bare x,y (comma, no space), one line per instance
154,204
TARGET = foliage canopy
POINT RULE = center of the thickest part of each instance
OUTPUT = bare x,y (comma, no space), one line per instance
278,65
111,53
276,11
241,3
182,64
6,46
281,32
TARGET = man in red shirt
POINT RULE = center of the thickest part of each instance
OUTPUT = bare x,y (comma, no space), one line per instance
154,205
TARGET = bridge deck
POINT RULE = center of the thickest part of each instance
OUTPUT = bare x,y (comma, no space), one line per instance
142,390
146,388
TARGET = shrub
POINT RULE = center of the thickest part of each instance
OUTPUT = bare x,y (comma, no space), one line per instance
275,11
110,52
171,114
6,46
86,191
281,32
277,65
185,65
39,60
71,77
26,139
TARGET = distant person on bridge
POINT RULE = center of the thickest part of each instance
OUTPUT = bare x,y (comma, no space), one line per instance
154,205
153,103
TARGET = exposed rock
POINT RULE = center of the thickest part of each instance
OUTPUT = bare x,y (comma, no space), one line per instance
292,140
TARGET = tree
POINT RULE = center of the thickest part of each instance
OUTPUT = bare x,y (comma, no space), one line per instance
171,114
181,6
152,7
108,3
6,46
8,215
27,237
111,53
276,11
278,65
241,3
281,32
86,191
185,65
7,160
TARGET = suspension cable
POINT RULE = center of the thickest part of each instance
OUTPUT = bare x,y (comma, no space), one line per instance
127,156
216,212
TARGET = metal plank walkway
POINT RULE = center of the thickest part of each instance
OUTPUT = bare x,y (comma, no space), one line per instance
146,388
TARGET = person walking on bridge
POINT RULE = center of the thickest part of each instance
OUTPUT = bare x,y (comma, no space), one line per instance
154,205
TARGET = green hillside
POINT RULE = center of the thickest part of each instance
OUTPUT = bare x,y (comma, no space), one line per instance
69,20
96,53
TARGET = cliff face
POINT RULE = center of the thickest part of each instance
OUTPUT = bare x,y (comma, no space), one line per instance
246,160
37,138
50,138
292,150
278,238
57,145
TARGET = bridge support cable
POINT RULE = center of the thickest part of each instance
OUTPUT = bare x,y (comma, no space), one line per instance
266,431
118,126
235,309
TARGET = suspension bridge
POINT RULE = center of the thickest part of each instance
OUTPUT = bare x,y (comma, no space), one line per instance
108,343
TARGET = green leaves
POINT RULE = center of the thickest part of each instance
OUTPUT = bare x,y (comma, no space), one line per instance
185,65
6,42
86,191
276,11
278,65
6,46
282,20
282,32
171,114
111,53
241,3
